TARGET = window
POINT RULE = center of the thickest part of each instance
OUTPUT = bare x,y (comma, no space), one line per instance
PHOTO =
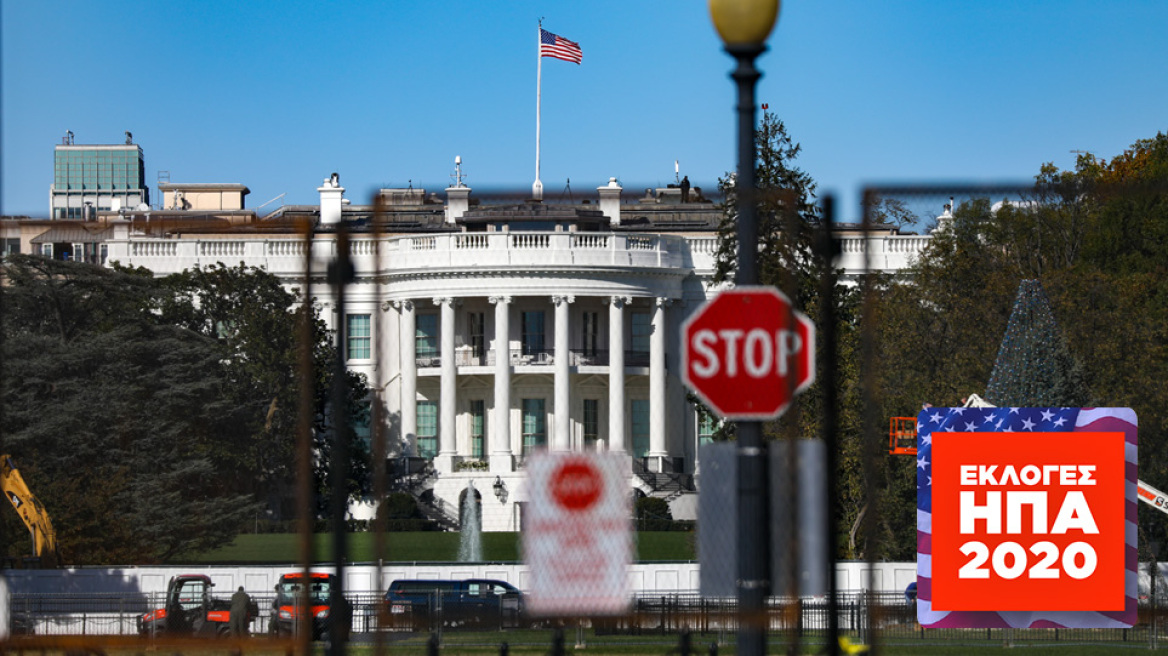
640,428
357,336
591,333
706,427
591,423
533,332
11,246
478,427
639,346
534,425
362,423
476,332
426,338
427,429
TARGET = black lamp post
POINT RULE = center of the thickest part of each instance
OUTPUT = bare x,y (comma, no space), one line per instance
744,26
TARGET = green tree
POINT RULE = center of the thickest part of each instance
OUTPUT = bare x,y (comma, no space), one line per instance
258,321
113,416
787,216
1034,367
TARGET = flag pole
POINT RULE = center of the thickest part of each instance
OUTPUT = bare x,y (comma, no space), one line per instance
537,186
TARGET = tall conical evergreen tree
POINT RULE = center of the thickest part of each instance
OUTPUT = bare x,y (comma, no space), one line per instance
1035,367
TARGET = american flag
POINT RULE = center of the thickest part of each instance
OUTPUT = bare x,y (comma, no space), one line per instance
551,45
1019,420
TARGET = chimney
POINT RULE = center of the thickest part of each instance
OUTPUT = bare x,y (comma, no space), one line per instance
457,202
331,194
610,201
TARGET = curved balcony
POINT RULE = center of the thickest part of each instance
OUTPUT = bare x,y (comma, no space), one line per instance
283,255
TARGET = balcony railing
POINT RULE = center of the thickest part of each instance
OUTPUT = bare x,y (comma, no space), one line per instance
589,357
521,357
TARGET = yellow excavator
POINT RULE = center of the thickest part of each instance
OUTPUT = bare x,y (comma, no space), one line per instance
34,515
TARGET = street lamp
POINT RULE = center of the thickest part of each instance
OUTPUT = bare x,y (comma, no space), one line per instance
744,26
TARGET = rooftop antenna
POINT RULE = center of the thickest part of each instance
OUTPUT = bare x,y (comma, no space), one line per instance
129,138
567,189
68,140
458,171
676,172
411,184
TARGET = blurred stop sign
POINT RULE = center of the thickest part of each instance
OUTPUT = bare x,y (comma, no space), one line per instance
747,352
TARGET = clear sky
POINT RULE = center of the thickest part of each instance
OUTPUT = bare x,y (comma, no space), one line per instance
277,95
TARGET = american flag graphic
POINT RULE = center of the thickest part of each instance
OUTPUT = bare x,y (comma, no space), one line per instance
551,45
1020,420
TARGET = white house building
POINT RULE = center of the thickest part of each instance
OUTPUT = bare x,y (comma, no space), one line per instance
494,329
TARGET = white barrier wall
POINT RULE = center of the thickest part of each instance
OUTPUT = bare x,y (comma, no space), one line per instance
361,579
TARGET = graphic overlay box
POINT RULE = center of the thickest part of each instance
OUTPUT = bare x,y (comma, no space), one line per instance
578,533
1026,517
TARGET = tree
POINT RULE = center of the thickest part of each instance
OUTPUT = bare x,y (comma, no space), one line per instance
787,216
112,415
258,321
1095,239
1034,367
155,417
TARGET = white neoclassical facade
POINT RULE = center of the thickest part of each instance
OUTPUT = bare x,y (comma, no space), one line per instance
493,330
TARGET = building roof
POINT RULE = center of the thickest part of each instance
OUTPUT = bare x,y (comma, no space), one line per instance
73,234
203,186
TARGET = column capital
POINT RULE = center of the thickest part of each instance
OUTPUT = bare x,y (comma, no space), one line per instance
402,304
446,300
664,302
619,301
495,300
562,298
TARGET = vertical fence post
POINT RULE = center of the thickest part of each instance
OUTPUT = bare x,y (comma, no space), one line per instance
558,642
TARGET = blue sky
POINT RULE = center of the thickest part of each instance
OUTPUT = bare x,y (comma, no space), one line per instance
277,95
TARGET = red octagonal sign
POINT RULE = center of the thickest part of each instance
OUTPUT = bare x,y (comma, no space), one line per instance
747,353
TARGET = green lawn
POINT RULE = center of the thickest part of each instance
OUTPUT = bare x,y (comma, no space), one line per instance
417,547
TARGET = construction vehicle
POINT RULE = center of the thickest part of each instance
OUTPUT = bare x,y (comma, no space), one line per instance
32,513
191,609
290,615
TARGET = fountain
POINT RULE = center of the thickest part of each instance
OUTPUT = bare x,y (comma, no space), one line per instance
470,543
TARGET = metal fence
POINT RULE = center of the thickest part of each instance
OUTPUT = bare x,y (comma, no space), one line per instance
660,619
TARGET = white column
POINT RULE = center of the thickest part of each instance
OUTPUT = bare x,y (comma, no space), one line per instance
409,377
616,373
657,428
562,438
500,438
447,402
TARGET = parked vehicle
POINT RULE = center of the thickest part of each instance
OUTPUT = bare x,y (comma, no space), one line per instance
425,604
190,608
288,615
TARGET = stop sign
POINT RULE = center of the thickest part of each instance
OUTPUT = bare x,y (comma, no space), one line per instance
747,352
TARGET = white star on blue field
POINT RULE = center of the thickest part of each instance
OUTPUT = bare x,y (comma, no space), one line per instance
978,420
